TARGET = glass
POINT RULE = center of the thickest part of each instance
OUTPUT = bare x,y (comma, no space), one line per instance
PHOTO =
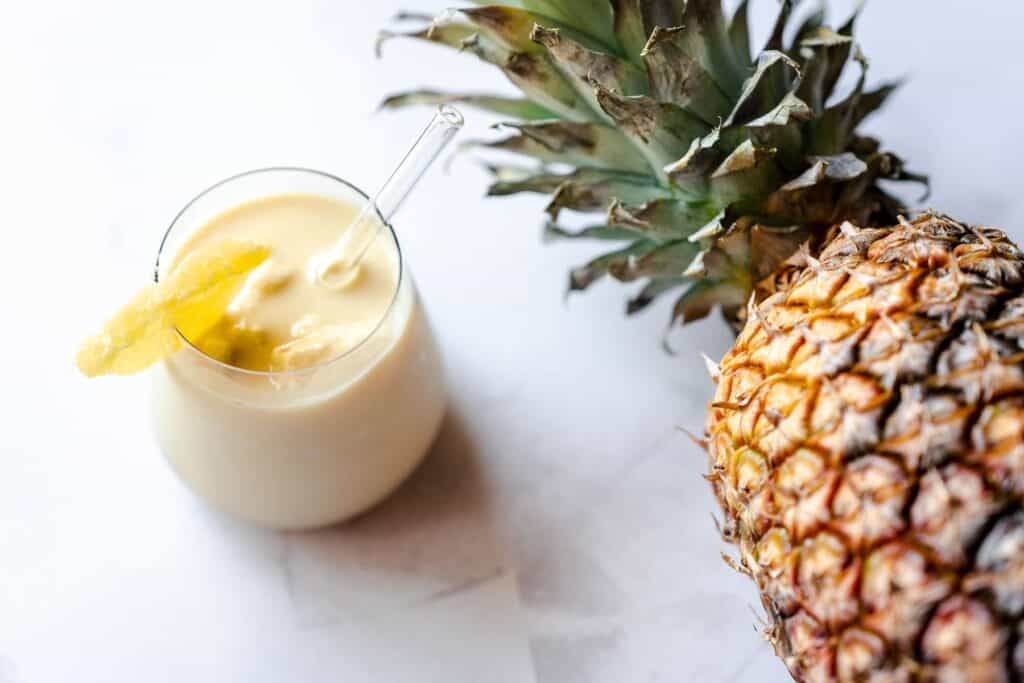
311,446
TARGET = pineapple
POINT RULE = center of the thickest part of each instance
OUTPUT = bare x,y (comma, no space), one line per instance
866,437
867,446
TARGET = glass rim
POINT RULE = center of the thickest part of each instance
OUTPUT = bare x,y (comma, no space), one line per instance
189,346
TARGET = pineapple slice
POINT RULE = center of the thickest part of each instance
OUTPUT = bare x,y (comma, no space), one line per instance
191,301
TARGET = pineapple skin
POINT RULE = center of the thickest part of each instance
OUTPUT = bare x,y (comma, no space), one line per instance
867,448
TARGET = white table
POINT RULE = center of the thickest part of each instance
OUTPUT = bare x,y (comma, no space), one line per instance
560,531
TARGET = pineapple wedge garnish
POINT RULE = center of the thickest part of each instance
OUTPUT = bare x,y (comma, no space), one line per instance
190,302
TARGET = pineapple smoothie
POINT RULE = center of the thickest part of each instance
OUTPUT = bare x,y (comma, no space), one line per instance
305,404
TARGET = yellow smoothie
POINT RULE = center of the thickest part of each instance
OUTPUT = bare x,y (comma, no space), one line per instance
306,404
283,319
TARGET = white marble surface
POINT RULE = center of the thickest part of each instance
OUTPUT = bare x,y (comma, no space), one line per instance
559,533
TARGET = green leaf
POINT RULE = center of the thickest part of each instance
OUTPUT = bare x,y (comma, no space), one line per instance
579,144
539,80
456,35
517,107
590,67
831,169
873,100
589,17
543,83
661,13
508,26
705,37
743,158
679,78
585,189
628,22
739,33
552,232
636,261
512,27
662,219
583,276
781,129
775,40
764,90
790,109
811,23
744,179
707,235
661,130
821,71
829,54
669,258
703,296
513,180
833,130
702,156
595,190
654,288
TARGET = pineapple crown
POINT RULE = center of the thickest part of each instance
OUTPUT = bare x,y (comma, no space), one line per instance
711,165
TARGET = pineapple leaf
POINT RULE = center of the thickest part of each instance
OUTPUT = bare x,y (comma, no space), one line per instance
517,107
580,144
743,158
789,109
678,78
654,288
775,43
833,130
705,37
669,258
711,166
762,92
739,33
515,180
703,296
638,260
829,53
442,31
661,13
661,130
745,179
512,27
628,23
539,80
781,129
594,19
553,231
583,276
585,189
543,83
873,100
811,23
595,190
588,66
660,219
690,172
837,168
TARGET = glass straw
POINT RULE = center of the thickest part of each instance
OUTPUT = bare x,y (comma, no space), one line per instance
337,265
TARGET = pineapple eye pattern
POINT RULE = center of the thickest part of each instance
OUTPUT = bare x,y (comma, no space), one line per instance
886,533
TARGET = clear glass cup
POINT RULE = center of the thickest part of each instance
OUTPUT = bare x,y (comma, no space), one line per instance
308,447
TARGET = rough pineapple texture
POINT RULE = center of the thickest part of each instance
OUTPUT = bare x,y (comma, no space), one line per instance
867,447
